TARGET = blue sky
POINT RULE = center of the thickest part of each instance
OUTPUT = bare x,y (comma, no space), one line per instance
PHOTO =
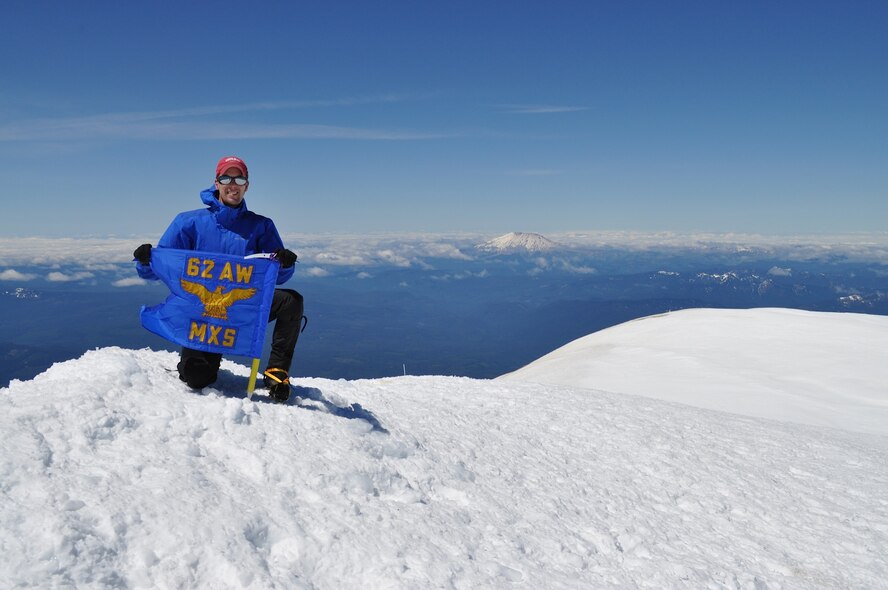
765,117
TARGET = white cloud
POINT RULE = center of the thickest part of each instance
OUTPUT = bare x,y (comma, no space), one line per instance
542,109
130,282
581,269
60,277
543,264
443,250
364,275
393,258
11,274
336,258
316,271
381,249
420,250
81,252
203,123
462,276
863,247
101,266
780,272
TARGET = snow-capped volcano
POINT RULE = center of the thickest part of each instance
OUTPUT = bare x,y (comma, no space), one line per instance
518,242
113,474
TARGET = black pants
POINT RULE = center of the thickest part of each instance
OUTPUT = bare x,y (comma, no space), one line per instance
199,369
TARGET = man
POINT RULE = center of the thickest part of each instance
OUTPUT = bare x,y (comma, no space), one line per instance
227,226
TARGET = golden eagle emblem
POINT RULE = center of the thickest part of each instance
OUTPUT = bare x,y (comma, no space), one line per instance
216,303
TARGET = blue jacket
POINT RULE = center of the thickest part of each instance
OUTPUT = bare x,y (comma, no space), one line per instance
223,229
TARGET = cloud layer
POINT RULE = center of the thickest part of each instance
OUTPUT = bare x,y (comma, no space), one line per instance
80,259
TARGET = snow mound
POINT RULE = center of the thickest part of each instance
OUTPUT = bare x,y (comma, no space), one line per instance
824,369
518,242
113,474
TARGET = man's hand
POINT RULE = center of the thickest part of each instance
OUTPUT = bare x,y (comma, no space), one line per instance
143,254
286,257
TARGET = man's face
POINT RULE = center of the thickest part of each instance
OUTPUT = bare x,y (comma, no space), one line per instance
231,194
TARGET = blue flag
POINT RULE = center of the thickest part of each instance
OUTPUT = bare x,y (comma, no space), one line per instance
217,303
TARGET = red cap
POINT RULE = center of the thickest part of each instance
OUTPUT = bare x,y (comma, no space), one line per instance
231,162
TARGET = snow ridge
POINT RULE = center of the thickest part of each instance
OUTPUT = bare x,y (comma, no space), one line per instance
114,474
816,368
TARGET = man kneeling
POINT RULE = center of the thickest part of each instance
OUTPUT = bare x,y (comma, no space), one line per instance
227,226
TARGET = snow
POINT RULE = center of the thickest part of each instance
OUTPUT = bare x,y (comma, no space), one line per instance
518,242
817,368
113,474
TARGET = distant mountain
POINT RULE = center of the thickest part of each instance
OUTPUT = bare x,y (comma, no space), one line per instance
518,242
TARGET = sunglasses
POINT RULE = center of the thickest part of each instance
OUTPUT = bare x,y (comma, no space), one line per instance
238,180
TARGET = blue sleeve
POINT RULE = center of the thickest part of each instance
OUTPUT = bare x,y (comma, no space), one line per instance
285,274
145,272
178,235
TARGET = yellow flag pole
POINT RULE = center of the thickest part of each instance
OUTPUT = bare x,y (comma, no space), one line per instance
251,384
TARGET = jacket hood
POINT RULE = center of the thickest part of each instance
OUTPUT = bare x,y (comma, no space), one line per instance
224,215
208,196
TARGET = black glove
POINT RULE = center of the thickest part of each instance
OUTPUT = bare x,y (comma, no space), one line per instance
143,254
285,257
